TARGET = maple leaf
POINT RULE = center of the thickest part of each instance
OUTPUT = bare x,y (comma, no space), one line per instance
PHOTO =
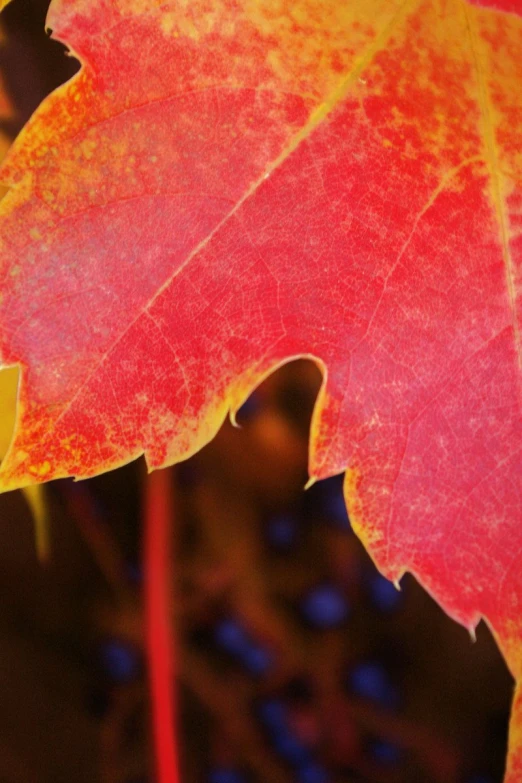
225,187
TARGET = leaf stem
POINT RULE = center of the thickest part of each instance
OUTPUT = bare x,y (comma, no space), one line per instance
159,643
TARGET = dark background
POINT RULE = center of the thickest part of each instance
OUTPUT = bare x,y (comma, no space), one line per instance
297,661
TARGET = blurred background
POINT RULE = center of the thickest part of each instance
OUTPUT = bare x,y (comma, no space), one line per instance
298,662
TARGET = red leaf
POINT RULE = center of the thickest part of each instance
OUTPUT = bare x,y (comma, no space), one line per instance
227,186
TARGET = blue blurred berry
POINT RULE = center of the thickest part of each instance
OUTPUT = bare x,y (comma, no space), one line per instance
370,681
281,532
291,749
273,714
312,773
325,607
257,660
120,661
249,409
384,752
333,504
225,775
231,638
384,594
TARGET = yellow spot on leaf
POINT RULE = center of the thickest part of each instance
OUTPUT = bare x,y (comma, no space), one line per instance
40,470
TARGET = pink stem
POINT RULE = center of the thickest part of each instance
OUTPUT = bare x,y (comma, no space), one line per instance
160,647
